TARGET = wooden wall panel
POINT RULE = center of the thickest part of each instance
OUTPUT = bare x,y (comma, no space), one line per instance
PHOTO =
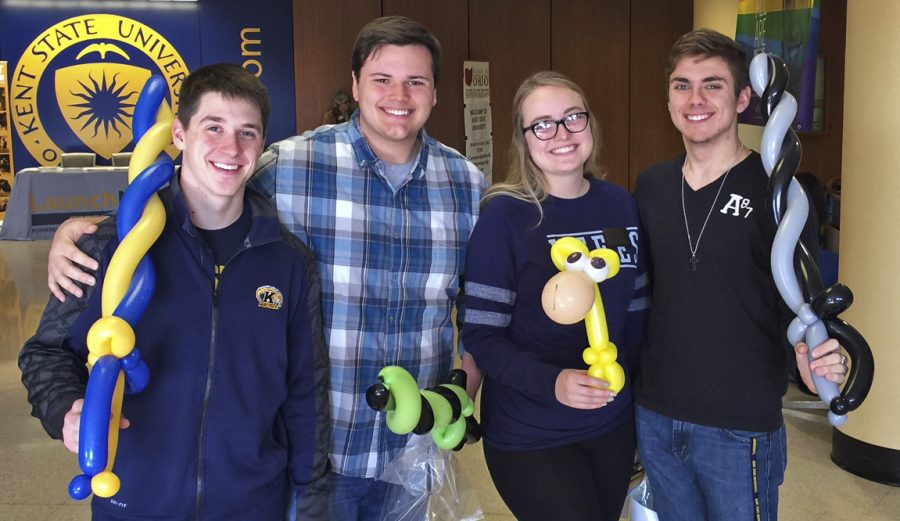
591,45
615,50
324,33
514,37
655,25
448,20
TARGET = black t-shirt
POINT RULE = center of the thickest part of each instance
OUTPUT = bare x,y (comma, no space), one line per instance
716,352
226,242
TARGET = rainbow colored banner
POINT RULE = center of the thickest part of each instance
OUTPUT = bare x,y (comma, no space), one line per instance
789,29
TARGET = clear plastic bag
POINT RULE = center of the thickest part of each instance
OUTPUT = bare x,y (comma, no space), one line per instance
640,503
432,486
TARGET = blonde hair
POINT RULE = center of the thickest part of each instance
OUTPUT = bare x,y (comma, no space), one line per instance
524,180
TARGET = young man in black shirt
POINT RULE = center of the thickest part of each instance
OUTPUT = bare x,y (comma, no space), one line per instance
715,364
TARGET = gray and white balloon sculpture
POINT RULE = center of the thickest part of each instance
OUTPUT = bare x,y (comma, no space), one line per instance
816,307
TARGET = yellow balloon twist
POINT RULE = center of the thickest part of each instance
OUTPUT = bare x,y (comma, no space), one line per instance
573,295
111,334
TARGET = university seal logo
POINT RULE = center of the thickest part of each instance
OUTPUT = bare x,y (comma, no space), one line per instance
79,80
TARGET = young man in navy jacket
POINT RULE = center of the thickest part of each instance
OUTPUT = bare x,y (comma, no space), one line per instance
235,416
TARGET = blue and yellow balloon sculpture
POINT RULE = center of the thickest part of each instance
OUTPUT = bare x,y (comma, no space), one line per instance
816,307
572,295
116,365
444,410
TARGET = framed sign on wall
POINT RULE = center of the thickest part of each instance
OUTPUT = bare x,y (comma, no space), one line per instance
7,170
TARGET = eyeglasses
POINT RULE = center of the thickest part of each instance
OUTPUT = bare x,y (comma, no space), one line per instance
548,128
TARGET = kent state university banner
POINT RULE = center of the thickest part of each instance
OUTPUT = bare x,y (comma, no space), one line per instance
76,70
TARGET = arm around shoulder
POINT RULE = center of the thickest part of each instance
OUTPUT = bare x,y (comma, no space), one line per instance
54,375
53,370
66,263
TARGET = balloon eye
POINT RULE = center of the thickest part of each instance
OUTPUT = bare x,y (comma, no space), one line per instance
576,261
597,269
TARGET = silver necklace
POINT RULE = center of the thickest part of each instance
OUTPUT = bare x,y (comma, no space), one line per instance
694,247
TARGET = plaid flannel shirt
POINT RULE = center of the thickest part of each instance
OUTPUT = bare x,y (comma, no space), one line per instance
390,264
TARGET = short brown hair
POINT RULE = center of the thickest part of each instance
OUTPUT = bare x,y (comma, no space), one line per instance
395,30
228,79
708,44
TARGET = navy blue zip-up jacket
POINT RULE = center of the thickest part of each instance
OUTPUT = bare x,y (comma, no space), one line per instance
236,411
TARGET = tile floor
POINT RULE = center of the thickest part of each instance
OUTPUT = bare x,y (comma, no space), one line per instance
38,469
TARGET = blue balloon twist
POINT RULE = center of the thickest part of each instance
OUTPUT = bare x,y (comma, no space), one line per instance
103,389
816,308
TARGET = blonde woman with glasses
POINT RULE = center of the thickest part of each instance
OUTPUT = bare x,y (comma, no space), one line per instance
559,443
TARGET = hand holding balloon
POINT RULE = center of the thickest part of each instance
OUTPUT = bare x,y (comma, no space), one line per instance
572,295
72,424
827,362
577,389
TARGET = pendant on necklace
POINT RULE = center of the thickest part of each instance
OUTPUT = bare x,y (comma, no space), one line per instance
694,261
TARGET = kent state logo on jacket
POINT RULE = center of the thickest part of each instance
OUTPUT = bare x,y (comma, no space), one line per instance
77,82
269,297
621,240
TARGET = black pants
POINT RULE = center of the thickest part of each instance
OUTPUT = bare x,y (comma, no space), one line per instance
585,481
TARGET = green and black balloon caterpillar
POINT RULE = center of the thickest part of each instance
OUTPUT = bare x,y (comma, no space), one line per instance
445,410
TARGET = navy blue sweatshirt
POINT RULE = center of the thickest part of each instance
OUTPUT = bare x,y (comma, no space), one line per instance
236,411
516,344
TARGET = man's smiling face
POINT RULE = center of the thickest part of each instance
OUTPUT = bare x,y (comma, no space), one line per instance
220,145
702,101
395,90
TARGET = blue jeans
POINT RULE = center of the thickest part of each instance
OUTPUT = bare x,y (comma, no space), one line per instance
359,499
352,499
707,473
